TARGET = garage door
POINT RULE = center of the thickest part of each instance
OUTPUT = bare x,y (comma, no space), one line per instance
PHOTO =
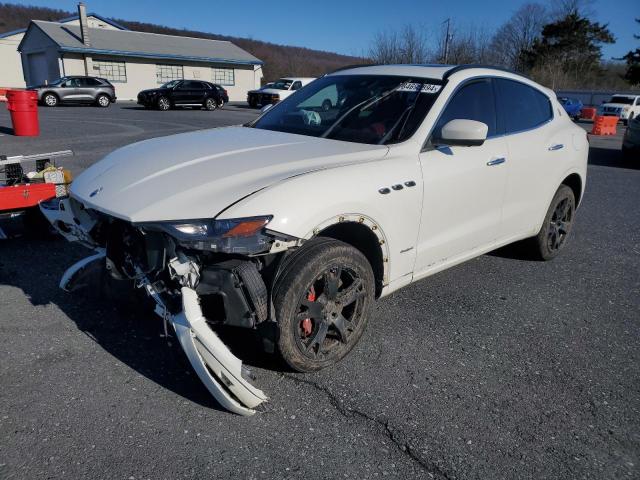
38,70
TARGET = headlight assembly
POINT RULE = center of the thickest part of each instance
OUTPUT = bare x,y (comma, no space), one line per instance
237,235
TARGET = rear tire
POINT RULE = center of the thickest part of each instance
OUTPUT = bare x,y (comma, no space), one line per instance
50,100
557,225
322,300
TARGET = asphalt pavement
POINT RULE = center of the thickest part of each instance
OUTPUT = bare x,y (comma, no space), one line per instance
501,367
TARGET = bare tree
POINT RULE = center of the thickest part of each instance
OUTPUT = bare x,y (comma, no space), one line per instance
518,34
561,8
409,45
469,45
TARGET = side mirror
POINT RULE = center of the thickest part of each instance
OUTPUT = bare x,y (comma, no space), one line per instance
266,107
464,133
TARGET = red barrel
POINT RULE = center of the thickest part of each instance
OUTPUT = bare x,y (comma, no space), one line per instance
23,105
588,113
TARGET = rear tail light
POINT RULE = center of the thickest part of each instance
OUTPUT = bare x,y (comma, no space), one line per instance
225,92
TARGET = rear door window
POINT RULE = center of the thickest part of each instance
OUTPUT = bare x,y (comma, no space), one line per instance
90,82
521,107
473,101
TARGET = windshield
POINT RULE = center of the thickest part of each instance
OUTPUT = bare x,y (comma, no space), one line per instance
281,84
373,109
171,84
624,100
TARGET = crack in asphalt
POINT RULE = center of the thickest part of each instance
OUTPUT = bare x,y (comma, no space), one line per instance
403,447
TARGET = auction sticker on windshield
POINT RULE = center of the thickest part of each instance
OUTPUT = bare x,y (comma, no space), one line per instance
414,87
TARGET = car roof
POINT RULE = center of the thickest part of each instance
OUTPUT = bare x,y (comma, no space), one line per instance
434,71
302,79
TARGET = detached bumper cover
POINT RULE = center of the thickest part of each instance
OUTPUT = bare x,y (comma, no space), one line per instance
216,366
219,370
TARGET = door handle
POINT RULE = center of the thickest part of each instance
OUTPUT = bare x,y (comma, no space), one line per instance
557,146
496,161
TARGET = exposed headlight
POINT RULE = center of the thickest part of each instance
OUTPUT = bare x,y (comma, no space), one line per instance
237,235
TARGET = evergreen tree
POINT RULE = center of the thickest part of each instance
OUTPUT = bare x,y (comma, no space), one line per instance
568,51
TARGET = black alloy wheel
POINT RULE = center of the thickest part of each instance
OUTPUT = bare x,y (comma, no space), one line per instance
557,225
322,304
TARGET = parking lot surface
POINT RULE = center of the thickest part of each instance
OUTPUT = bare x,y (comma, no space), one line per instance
501,367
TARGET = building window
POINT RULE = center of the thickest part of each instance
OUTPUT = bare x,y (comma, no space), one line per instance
112,71
224,76
166,73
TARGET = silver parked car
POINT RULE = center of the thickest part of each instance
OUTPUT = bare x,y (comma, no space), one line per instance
77,89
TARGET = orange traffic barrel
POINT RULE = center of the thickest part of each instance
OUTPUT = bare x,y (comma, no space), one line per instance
23,105
604,125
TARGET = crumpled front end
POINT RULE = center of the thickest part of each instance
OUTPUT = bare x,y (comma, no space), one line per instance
197,284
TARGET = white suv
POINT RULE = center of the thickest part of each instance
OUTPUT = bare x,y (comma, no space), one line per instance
626,107
295,223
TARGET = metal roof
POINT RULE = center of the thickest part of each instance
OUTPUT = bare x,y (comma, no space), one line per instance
70,19
143,45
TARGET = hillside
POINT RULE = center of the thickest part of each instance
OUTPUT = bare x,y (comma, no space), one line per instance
279,60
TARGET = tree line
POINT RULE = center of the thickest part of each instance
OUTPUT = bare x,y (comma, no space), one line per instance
556,44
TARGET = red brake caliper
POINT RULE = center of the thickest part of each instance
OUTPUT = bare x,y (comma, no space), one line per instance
305,324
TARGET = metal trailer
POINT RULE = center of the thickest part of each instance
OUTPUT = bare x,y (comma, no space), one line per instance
20,195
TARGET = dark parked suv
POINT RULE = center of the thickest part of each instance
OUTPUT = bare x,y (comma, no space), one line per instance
76,89
184,93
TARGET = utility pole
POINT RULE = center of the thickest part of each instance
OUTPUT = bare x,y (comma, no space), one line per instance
447,39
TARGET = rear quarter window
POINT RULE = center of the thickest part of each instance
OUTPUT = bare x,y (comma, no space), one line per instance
521,107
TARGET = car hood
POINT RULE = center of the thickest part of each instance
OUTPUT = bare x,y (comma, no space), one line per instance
617,105
199,174
271,91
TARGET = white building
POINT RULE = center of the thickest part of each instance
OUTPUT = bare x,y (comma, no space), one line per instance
133,61
11,74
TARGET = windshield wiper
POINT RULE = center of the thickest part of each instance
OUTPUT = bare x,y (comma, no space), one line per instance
405,114
364,104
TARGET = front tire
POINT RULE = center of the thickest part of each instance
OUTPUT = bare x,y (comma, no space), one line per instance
210,104
103,101
163,104
50,100
322,300
557,225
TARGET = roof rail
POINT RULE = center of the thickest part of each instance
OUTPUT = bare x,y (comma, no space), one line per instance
467,66
356,65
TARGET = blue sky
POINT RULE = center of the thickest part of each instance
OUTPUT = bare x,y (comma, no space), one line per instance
340,26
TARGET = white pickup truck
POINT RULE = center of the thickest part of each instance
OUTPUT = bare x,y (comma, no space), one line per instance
276,91
626,107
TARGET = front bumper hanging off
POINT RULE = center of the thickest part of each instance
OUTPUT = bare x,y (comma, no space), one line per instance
216,366
219,370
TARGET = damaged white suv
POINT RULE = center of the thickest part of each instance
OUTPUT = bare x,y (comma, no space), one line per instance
295,223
